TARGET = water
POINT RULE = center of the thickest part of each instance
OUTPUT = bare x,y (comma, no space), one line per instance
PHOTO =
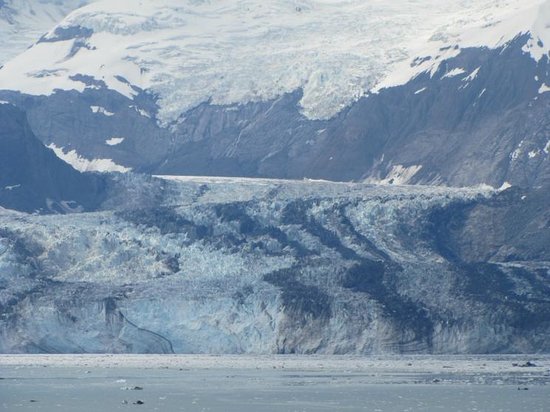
204,383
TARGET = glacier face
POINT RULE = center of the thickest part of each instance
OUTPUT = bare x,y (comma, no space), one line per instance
228,265
221,265
192,52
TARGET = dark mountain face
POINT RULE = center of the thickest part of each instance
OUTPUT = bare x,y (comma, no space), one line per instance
479,119
32,178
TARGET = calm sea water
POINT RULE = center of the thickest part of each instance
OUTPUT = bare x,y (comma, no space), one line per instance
284,384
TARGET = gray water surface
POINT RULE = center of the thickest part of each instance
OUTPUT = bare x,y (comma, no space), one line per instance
281,386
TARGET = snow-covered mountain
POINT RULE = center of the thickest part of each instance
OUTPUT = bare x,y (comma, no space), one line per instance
23,22
323,89
192,52
440,93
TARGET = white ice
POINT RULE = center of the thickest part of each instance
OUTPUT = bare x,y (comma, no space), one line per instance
235,51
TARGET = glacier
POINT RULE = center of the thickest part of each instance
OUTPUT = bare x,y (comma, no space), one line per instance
228,265
23,22
192,52
385,94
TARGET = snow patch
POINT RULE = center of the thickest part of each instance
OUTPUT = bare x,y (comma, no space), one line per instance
517,153
453,73
101,110
472,75
398,175
141,111
421,90
533,153
4,102
544,88
10,188
505,185
114,141
85,165
547,147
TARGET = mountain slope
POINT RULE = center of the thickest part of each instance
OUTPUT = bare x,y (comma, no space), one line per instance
23,22
33,179
337,90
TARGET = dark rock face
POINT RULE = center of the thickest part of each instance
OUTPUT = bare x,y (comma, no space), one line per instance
515,227
32,178
59,118
68,33
488,124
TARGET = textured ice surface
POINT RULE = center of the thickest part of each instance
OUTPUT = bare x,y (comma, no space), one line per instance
227,265
236,51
